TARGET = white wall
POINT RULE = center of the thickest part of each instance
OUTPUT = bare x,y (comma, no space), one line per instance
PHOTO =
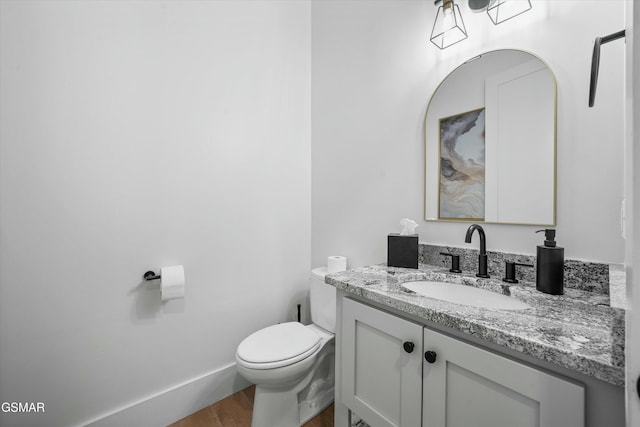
374,71
136,135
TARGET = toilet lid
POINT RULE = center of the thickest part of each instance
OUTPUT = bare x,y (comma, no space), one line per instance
278,345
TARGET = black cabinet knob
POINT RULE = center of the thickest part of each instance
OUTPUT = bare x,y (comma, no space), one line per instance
408,346
430,356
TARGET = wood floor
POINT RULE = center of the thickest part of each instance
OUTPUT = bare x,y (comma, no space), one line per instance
235,411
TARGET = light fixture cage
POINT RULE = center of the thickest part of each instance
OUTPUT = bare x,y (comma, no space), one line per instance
448,28
502,10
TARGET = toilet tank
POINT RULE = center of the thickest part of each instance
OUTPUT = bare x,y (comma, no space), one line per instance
323,300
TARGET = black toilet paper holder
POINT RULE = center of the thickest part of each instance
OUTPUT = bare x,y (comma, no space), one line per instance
150,275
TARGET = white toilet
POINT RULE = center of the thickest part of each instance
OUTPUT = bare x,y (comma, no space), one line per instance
292,365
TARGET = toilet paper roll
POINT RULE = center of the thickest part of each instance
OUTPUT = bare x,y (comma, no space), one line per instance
172,282
336,263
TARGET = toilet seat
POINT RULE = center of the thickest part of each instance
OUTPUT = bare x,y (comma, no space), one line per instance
277,346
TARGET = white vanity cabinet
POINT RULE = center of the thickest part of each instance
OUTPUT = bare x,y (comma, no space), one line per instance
467,386
440,381
381,366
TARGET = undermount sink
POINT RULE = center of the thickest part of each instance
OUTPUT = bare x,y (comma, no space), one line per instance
465,295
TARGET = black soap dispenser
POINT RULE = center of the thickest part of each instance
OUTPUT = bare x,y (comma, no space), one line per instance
550,265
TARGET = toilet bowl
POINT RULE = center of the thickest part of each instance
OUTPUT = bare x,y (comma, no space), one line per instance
291,364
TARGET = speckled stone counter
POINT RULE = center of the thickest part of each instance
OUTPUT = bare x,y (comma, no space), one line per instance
578,330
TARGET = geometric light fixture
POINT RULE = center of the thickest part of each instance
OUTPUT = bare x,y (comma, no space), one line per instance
501,10
448,29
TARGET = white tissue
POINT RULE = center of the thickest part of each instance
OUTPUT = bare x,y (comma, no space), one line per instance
408,227
336,263
172,282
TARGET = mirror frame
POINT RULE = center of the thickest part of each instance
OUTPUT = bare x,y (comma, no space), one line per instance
555,146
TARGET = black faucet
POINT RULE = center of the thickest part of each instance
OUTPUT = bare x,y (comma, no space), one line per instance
482,258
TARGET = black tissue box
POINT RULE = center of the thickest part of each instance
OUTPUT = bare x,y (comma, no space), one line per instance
402,251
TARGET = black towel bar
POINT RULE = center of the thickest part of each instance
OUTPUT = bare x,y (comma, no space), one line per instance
595,62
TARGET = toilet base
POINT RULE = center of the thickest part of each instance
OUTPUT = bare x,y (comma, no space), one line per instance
292,407
275,408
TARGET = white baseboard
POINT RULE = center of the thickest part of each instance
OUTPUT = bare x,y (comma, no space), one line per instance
177,402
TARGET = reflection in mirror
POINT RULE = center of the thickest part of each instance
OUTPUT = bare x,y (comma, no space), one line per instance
490,142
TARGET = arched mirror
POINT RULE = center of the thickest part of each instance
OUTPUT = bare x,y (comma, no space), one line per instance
490,142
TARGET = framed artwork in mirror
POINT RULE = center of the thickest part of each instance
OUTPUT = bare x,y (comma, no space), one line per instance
461,190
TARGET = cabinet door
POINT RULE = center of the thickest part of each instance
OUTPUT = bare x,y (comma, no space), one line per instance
381,380
467,386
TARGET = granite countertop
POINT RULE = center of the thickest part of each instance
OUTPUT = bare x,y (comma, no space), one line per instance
578,330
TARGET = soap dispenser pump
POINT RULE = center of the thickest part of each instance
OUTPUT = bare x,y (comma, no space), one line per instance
550,265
